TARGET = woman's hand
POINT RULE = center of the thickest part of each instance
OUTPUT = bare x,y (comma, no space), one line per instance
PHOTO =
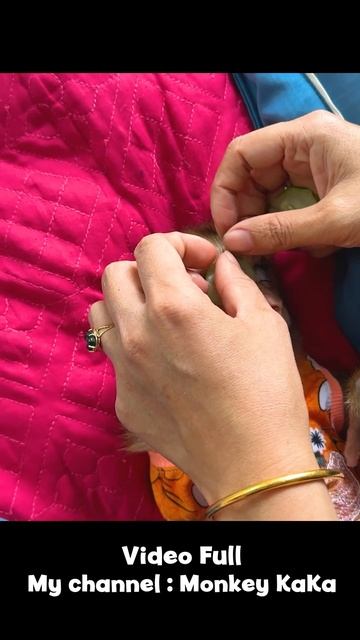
217,392
318,151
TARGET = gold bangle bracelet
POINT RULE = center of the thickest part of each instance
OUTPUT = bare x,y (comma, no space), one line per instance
274,483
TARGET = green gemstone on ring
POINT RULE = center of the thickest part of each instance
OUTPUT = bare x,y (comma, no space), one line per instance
91,340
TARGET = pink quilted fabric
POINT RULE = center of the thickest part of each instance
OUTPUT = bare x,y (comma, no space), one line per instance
89,163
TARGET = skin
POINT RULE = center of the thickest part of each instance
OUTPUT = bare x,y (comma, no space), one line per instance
201,385
318,151
218,392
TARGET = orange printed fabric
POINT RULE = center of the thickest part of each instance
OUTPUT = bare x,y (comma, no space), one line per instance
178,498
325,403
175,494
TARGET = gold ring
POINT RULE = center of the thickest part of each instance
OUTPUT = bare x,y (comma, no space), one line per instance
93,337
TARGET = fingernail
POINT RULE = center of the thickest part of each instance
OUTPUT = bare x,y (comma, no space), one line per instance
239,240
230,257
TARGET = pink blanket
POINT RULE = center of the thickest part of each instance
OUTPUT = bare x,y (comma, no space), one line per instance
89,163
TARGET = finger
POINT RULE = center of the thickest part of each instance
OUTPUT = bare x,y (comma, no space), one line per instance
122,290
239,294
258,162
266,234
235,191
271,179
199,280
162,260
99,317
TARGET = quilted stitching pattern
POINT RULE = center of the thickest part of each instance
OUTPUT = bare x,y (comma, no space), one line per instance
89,163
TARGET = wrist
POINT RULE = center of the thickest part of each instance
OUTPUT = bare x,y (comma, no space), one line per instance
307,501
273,458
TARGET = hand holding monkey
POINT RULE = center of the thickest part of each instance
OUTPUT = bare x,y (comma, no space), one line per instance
201,385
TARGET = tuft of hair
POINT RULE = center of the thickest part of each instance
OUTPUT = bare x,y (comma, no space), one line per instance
132,443
208,232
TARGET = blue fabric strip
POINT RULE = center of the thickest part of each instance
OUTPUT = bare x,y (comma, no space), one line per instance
276,97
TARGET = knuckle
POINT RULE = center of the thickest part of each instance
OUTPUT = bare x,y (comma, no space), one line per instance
172,307
333,205
93,311
108,274
234,145
114,272
177,239
145,242
278,229
322,124
134,345
121,409
321,118
278,322
175,235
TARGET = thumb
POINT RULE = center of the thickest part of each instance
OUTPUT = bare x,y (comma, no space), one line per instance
271,232
239,294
